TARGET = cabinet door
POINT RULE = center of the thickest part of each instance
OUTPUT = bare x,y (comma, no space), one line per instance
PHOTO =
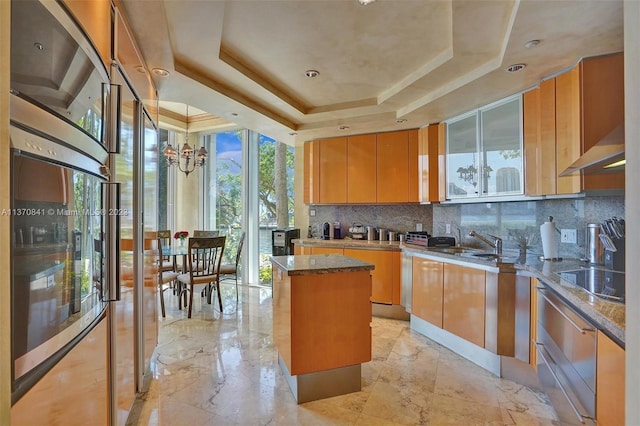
610,382
412,166
539,106
381,276
311,172
95,18
324,250
501,149
428,287
431,163
361,169
464,302
602,81
333,171
392,167
568,129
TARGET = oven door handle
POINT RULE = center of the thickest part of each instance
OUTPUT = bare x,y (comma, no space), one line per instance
541,352
582,330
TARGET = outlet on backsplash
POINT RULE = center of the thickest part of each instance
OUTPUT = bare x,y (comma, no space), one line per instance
568,236
447,228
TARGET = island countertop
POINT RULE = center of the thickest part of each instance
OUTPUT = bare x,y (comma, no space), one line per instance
319,264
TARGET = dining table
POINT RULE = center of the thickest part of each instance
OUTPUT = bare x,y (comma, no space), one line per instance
176,251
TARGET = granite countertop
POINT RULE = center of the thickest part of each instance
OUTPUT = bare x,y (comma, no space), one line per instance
607,315
349,243
319,264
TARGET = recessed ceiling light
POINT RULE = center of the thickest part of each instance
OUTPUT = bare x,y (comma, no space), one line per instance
343,127
311,73
366,2
401,120
293,133
531,43
160,72
141,69
38,46
515,67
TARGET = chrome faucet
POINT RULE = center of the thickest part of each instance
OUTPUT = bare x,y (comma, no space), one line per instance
496,244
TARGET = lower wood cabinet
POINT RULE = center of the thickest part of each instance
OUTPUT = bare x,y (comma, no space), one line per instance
324,250
386,275
464,302
428,289
610,382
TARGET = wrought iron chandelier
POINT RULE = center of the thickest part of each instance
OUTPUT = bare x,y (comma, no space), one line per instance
186,158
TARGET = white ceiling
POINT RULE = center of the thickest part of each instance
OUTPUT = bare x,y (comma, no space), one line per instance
422,61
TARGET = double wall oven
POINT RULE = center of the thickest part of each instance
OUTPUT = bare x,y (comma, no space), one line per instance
63,209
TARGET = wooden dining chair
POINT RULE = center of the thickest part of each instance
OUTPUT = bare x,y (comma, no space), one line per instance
206,234
232,268
167,263
204,259
166,272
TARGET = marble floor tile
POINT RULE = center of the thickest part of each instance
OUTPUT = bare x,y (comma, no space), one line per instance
222,369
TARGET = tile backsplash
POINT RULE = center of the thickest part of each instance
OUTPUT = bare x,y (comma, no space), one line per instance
508,220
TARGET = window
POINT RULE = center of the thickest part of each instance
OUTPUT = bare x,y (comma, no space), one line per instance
484,151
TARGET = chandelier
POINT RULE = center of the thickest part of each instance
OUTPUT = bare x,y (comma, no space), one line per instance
186,159
470,174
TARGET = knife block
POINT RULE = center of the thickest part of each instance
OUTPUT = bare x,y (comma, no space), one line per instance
615,259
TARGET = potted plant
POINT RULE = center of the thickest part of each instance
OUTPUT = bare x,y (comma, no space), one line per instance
181,236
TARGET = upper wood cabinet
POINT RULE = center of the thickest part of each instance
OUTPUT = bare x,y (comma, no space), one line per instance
395,167
312,172
333,171
372,168
95,18
539,110
361,169
431,163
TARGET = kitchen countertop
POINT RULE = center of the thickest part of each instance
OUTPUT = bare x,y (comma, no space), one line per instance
319,264
608,316
349,243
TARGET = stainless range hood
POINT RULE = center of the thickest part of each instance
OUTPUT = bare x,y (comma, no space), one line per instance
600,157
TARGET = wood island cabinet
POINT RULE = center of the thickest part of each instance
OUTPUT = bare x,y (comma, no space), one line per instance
464,302
428,289
385,278
610,382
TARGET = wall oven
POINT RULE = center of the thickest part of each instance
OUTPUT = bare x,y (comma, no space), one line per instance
61,111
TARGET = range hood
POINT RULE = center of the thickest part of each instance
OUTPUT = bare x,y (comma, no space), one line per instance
604,157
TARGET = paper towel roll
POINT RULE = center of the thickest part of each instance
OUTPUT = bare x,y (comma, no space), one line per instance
548,237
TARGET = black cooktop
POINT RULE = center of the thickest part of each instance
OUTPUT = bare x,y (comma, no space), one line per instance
605,284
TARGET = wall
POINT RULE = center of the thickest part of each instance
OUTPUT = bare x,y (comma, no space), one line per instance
399,218
632,205
507,219
5,224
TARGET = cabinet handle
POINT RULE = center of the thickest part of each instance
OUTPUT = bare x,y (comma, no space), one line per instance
582,330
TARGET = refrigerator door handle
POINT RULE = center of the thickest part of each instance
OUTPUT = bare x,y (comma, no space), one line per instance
111,219
113,112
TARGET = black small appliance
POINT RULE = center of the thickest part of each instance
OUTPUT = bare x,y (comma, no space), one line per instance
282,241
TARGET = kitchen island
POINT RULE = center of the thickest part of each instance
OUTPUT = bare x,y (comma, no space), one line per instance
321,323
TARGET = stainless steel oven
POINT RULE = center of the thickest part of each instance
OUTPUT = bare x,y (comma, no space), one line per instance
62,115
566,347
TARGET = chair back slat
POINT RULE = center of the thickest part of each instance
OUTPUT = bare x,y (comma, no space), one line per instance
205,256
205,233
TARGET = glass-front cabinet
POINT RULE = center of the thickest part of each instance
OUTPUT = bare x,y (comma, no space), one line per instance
484,151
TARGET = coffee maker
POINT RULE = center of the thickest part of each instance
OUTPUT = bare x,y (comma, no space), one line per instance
326,231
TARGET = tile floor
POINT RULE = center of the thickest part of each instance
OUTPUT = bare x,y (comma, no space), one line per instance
222,369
